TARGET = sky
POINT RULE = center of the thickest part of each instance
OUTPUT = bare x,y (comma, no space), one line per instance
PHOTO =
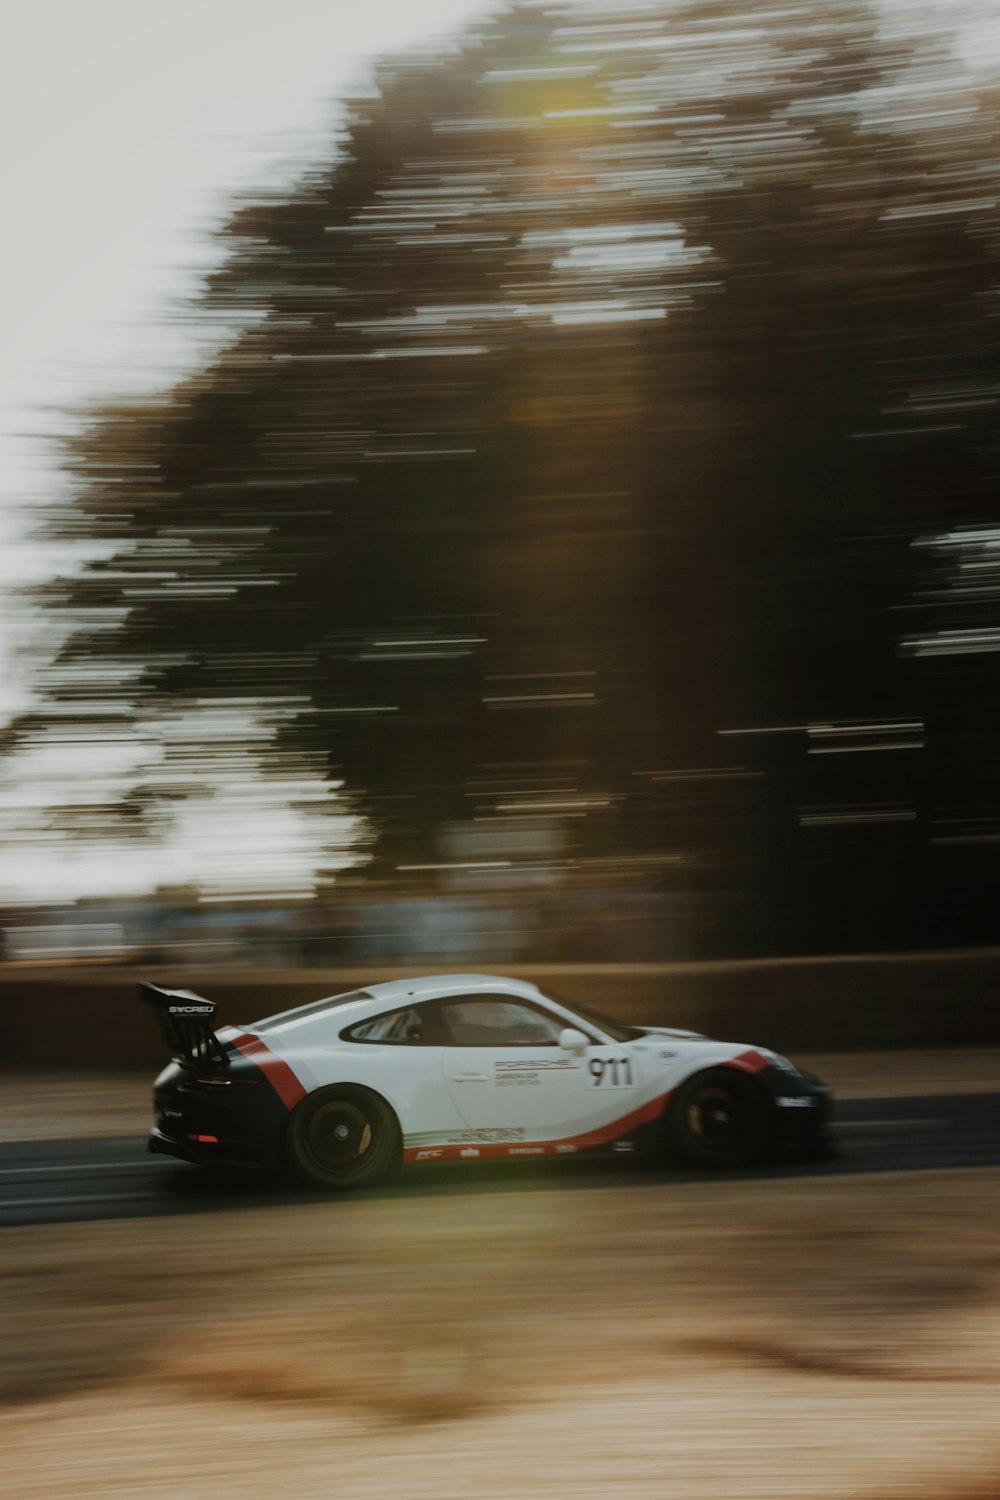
128,126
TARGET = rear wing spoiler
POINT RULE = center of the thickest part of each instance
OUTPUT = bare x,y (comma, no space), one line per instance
186,1023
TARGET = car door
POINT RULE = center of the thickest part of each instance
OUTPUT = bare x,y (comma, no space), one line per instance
511,1081
398,1054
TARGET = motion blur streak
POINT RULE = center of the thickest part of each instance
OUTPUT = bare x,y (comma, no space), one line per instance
553,366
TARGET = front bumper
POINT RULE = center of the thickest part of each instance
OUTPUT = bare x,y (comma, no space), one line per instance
801,1112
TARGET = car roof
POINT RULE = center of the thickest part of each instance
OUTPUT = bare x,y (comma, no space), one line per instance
426,986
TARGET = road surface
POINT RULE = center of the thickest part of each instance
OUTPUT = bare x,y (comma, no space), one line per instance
62,1181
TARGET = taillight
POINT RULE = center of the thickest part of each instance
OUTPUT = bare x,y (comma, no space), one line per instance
211,1082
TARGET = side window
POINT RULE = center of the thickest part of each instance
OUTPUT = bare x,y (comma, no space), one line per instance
407,1027
495,1021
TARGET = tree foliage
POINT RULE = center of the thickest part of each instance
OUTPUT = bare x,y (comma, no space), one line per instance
619,381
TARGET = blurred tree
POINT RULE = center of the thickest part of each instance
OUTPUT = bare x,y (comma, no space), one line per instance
588,402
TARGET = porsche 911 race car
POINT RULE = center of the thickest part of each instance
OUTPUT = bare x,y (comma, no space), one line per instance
463,1067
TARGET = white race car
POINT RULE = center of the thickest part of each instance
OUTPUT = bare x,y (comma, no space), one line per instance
463,1067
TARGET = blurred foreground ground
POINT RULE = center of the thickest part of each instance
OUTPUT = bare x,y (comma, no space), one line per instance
805,1338
809,1336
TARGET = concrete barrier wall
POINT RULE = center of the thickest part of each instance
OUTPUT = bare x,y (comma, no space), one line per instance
92,1018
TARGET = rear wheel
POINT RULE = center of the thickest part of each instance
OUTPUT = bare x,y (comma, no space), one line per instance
342,1137
716,1119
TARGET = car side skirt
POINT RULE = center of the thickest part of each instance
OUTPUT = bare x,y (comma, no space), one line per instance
468,1145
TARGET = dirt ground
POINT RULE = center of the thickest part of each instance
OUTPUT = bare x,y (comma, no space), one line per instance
53,1106
814,1337
823,1337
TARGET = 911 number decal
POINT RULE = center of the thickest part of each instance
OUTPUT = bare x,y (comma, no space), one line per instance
611,1073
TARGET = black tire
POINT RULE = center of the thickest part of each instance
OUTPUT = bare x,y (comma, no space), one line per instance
342,1137
716,1119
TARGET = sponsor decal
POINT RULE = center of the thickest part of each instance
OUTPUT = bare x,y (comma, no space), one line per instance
428,1155
666,1056
563,1149
490,1136
469,1151
521,1076
464,1137
526,1151
790,1101
191,1010
529,1070
623,1146
535,1064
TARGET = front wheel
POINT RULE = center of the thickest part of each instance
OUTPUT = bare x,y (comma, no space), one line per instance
342,1137
716,1119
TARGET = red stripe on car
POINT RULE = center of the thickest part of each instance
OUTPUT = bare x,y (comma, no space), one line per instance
277,1072
748,1062
564,1146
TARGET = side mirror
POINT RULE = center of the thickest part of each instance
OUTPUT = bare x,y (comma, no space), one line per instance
571,1040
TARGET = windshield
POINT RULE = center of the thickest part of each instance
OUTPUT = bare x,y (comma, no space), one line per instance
614,1029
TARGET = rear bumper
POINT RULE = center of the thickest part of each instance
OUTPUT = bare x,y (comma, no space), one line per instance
202,1154
242,1126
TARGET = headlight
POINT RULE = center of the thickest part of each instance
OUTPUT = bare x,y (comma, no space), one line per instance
778,1061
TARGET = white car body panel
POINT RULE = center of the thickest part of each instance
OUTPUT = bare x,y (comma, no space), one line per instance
457,1102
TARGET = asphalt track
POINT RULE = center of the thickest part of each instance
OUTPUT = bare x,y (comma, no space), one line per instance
50,1182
